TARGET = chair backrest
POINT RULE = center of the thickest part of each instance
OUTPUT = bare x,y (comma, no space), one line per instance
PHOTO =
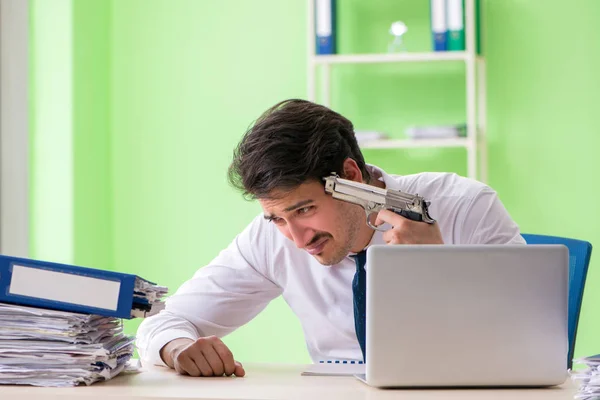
580,252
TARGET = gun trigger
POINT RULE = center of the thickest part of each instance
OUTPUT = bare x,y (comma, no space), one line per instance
377,228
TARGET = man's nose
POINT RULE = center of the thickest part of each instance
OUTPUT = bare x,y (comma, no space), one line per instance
301,235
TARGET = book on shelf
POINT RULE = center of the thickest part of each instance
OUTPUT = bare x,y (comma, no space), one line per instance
364,136
325,27
439,25
447,25
447,19
436,131
456,25
415,134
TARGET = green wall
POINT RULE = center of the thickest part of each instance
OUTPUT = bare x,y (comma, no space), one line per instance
543,101
161,91
51,132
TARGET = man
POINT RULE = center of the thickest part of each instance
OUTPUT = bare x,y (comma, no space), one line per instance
302,247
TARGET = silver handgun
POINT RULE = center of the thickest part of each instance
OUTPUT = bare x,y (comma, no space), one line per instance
374,199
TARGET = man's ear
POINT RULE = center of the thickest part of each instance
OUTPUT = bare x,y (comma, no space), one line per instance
351,170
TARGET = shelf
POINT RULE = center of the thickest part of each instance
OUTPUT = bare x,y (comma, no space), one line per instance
391,58
321,84
414,143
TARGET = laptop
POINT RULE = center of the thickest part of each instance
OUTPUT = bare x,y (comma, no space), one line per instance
466,315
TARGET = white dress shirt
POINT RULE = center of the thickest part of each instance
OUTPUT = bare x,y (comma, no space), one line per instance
261,264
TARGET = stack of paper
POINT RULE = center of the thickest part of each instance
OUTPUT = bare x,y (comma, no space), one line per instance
43,347
363,137
589,378
147,298
436,132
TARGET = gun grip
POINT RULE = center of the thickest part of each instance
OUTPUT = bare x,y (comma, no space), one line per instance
413,216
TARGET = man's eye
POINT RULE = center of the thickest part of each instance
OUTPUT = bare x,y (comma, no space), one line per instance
304,210
277,220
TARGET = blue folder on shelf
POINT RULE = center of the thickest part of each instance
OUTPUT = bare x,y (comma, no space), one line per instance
439,25
73,288
325,26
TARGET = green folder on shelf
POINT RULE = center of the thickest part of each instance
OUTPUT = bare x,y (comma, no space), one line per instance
456,25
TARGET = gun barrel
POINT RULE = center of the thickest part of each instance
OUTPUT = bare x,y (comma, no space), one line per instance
360,190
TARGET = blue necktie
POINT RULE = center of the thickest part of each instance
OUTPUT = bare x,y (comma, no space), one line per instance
359,291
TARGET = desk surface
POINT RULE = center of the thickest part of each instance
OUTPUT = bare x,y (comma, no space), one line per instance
271,381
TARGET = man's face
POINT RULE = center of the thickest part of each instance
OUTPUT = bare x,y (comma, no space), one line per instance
315,221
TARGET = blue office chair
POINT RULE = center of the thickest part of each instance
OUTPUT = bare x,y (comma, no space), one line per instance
580,252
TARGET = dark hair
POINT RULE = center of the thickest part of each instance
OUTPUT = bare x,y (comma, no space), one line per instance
293,142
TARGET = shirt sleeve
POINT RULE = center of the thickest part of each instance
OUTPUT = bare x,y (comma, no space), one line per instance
222,296
486,221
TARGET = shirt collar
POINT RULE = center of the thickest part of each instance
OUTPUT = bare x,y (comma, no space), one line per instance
379,174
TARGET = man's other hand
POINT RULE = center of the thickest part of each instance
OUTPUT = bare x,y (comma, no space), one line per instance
207,356
406,231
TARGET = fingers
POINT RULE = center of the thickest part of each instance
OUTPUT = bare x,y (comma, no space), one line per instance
396,236
203,365
213,359
390,217
226,357
239,369
186,366
207,356
406,231
183,362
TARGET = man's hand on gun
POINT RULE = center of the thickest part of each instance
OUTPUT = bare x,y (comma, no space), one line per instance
406,231
207,356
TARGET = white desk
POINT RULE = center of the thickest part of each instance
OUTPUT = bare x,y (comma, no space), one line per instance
275,381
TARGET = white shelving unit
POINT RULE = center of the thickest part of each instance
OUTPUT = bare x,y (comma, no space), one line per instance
475,140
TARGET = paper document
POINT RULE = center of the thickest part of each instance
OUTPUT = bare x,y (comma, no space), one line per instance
369,136
589,378
44,347
333,369
147,298
436,132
